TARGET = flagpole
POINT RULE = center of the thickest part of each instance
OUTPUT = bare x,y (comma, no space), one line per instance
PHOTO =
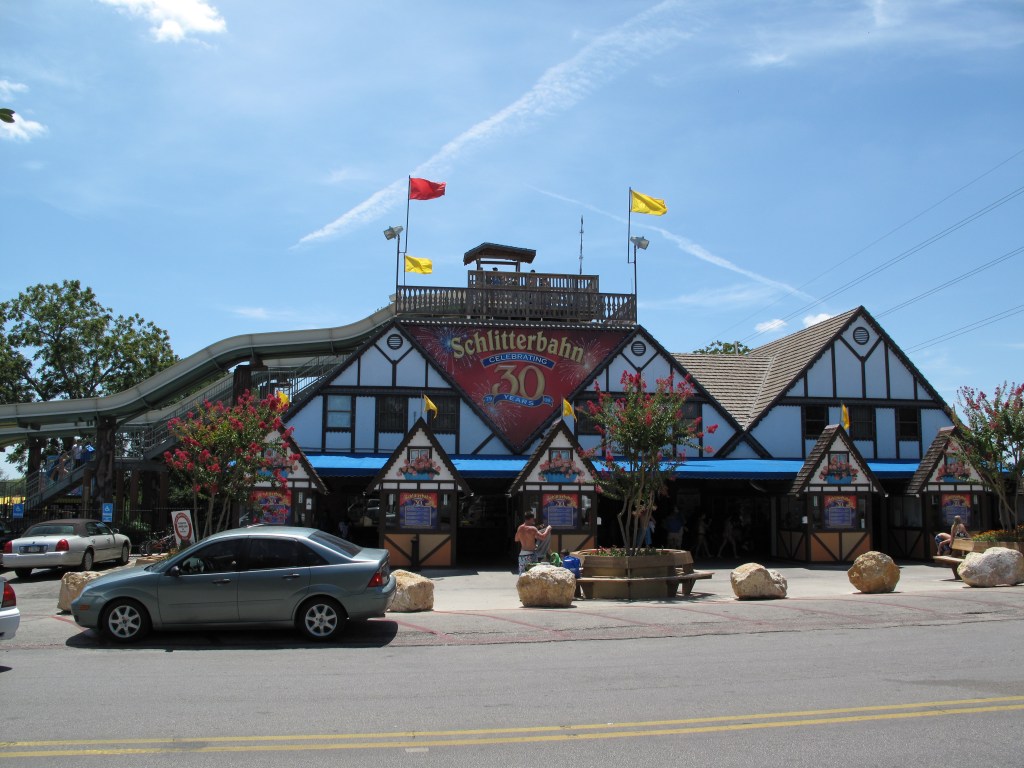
629,238
408,192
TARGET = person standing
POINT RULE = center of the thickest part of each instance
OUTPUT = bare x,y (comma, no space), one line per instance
527,536
728,536
674,528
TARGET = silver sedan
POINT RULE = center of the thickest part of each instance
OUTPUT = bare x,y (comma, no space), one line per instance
73,543
266,576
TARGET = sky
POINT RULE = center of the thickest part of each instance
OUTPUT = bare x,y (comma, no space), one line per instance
228,167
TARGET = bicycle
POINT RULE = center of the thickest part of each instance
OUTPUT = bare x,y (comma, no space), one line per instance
160,543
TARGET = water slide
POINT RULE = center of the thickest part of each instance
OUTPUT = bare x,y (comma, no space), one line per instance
68,417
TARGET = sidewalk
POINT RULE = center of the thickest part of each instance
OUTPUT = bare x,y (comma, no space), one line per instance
488,590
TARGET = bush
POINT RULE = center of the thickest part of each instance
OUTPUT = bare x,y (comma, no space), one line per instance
1017,534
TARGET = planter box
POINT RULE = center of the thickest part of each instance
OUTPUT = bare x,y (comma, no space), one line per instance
970,545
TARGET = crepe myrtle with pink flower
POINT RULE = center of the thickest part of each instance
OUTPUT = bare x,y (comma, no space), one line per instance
224,451
645,439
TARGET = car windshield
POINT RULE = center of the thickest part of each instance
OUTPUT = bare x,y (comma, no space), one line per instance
336,543
50,529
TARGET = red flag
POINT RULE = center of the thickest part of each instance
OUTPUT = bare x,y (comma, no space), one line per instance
421,189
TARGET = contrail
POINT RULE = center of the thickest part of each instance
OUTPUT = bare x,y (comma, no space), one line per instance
557,90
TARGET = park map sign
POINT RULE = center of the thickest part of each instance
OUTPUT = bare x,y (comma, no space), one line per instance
517,377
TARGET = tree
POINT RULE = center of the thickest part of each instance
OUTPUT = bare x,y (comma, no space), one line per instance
723,348
6,115
645,437
63,344
224,451
991,440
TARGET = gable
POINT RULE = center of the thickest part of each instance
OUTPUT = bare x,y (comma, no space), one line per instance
557,461
515,377
835,465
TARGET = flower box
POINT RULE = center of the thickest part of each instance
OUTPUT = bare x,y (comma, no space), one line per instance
559,477
838,479
418,475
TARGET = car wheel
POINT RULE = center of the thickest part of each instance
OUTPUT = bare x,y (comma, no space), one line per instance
22,573
126,553
321,619
124,621
87,560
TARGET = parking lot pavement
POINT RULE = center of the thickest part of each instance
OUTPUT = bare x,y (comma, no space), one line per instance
482,607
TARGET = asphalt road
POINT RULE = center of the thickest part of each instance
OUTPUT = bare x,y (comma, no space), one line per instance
816,680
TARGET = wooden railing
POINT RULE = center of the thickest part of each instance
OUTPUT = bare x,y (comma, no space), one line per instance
520,296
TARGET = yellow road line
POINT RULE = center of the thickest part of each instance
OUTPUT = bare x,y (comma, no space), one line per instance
526,735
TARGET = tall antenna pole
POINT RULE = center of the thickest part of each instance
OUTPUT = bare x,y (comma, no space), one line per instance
581,245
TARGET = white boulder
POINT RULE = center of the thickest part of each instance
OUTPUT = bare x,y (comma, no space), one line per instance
752,581
993,567
874,572
546,586
71,586
414,593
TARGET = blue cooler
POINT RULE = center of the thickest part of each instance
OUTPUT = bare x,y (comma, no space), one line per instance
572,563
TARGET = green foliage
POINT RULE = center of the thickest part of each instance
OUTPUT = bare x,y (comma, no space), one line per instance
645,437
224,451
991,439
723,348
59,342
6,115
1016,534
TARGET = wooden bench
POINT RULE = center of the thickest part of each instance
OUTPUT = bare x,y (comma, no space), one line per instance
958,545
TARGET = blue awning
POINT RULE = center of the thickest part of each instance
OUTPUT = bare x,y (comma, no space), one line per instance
368,465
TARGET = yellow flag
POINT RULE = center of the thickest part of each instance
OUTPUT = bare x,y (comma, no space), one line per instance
428,404
639,203
845,418
567,408
418,265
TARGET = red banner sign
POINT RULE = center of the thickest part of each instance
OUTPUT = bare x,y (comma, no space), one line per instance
517,377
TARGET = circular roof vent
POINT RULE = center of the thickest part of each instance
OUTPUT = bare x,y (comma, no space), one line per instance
638,348
395,341
861,335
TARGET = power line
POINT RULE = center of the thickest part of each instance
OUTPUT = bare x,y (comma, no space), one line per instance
966,329
877,240
900,257
954,281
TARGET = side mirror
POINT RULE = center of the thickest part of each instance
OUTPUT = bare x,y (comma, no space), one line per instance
174,571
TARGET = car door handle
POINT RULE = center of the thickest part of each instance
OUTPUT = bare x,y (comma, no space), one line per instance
221,581
291,576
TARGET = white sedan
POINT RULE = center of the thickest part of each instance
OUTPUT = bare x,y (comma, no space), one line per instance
71,544
10,617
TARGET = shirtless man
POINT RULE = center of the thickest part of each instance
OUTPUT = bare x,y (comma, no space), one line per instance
527,536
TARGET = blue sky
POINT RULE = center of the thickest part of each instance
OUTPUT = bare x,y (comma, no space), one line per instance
228,167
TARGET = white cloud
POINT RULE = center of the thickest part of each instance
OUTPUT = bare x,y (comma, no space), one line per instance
561,87
8,89
174,20
21,129
770,325
815,319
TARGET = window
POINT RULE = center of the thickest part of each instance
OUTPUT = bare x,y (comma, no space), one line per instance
862,422
584,424
447,418
280,553
908,424
815,421
392,413
691,412
219,557
339,412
